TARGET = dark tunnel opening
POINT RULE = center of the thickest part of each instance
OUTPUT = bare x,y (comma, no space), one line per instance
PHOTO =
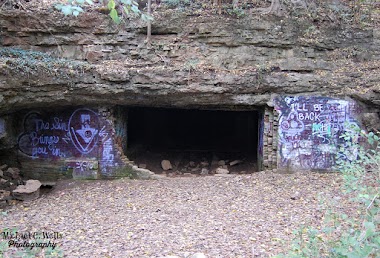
194,141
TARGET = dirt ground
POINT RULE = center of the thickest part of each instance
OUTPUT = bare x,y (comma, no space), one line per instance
220,216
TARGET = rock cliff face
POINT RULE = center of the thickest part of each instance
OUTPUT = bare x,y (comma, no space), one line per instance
193,61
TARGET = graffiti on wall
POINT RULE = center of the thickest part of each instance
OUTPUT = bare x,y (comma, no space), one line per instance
309,130
83,168
84,130
44,137
2,127
77,135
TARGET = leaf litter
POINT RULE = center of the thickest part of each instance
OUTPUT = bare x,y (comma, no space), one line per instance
238,216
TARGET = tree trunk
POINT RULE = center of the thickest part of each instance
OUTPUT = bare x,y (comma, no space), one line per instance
276,8
149,28
235,3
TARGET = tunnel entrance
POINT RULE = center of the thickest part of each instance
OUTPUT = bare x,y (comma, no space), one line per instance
194,141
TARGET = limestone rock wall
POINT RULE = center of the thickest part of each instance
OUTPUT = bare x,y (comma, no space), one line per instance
193,61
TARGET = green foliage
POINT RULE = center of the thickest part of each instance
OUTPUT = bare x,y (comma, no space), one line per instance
349,235
126,172
73,7
115,7
238,12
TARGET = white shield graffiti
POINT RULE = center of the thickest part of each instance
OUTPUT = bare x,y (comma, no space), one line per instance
84,130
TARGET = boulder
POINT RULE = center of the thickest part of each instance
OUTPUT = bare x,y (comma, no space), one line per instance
13,173
222,171
221,163
204,164
204,171
4,194
28,192
166,165
3,204
235,162
142,165
8,185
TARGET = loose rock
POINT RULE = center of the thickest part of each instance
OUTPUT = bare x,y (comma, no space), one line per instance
28,192
166,165
224,175
222,171
198,255
3,203
295,196
4,194
221,163
13,173
204,171
204,164
235,162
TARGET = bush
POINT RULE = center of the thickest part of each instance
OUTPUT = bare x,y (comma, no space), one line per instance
356,234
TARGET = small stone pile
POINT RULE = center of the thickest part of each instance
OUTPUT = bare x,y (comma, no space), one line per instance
216,167
9,180
13,187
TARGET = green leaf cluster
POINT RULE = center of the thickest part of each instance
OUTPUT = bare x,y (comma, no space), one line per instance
117,9
73,7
